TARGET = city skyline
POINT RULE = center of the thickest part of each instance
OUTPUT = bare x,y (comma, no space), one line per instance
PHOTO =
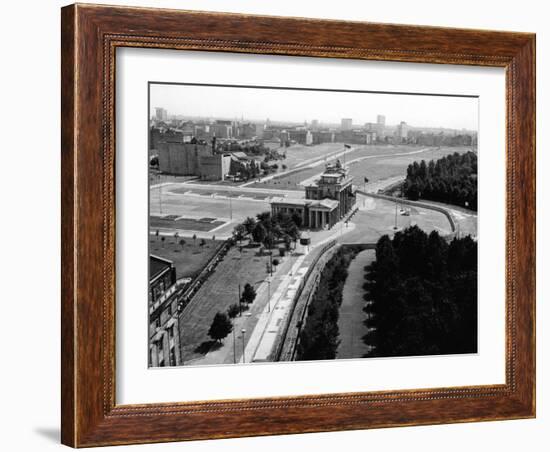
260,104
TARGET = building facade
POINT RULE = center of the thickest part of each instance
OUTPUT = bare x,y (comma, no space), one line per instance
164,343
347,124
214,167
326,201
182,158
161,114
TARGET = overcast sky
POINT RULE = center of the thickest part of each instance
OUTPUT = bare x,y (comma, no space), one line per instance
326,106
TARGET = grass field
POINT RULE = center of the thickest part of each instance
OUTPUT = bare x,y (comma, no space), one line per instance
218,292
374,162
189,259
189,224
350,321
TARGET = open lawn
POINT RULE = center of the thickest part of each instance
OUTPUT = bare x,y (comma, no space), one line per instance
374,162
190,224
350,321
220,290
194,206
189,259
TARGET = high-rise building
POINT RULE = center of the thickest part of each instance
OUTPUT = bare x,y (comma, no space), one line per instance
315,124
380,126
347,124
161,114
402,131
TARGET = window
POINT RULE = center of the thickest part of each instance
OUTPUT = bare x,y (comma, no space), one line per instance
172,357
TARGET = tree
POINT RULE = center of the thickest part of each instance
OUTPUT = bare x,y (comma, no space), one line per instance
162,239
202,242
249,224
238,232
157,234
182,243
233,310
249,294
221,326
297,220
259,233
194,239
269,240
275,262
176,236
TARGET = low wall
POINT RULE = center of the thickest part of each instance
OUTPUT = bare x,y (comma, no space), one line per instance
286,338
186,297
290,340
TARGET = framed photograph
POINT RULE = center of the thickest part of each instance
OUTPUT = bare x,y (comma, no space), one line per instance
281,225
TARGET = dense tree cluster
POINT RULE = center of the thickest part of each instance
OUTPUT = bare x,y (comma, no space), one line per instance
451,179
270,229
319,335
421,295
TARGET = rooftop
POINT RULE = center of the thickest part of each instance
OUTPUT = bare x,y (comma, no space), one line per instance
157,266
292,201
323,203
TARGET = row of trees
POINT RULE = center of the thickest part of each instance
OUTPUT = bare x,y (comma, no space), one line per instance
319,336
422,295
269,229
451,179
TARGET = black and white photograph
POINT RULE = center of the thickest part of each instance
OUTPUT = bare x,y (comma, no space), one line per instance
292,224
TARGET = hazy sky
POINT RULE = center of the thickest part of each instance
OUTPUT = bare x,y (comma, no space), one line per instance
326,106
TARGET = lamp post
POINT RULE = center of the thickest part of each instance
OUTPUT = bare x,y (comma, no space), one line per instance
268,295
243,331
234,348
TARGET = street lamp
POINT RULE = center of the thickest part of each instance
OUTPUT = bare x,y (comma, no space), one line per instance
243,331
268,295
234,348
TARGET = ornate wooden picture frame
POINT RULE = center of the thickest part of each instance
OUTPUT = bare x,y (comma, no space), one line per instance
90,37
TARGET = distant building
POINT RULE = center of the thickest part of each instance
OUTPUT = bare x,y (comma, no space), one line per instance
371,137
161,114
401,132
347,124
327,200
182,158
380,126
164,344
214,167
222,129
259,130
309,138
315,124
